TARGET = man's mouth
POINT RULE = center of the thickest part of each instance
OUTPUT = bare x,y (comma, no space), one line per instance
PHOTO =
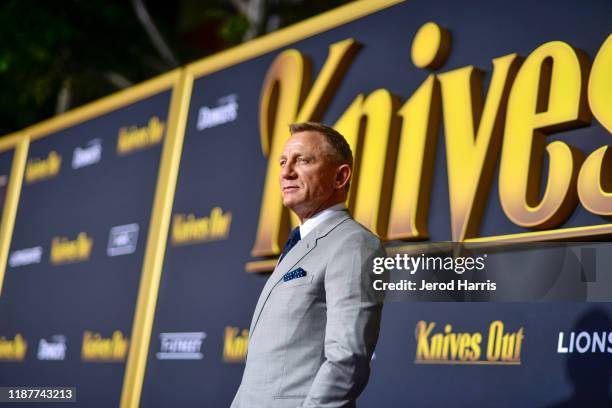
289,189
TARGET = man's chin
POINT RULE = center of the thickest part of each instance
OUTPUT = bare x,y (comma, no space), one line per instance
292,205
290,200
288,203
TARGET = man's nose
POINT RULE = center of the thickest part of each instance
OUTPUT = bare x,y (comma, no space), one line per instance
287,171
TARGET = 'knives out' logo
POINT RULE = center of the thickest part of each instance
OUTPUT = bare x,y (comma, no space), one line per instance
449,347
40,169
97,348
235,344
554,88
134,138
187,228
64,250
13,350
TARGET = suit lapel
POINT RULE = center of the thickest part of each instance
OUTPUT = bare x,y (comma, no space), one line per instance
299,251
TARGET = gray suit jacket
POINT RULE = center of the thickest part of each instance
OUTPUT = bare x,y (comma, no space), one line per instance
312,338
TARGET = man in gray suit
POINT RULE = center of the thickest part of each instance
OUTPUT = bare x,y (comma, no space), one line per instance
316,323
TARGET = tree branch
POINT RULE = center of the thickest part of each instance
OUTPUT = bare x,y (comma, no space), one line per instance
145,19
255,11
62,103
118,80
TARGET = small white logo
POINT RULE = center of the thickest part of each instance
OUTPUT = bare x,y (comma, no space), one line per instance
181,346
226,111
585,342
86,156
25,256
52,350
122,240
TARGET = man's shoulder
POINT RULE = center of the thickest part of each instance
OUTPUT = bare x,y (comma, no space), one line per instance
352,231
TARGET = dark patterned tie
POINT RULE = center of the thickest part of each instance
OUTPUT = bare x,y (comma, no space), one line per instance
294,238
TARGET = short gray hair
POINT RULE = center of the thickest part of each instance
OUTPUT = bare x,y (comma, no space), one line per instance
341,150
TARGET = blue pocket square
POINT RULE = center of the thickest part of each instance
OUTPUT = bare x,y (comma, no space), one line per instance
294,274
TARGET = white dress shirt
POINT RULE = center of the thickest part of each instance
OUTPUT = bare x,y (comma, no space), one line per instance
318,218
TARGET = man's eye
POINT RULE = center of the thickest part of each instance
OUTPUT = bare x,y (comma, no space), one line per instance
282,162
303,160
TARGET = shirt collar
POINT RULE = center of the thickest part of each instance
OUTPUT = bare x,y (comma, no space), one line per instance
318,218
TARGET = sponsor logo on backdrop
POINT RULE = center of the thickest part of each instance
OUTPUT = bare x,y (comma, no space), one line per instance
188,228
181,346
235,344
398,161
64,250
86,156
444,345
133,138
13,350
40,169
585,342
26,256
226,111
53,349
99,349
122,240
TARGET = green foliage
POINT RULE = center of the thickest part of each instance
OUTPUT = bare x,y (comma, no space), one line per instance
46,45
43,44
233,29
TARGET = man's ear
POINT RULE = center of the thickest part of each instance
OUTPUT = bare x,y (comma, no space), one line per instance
343,175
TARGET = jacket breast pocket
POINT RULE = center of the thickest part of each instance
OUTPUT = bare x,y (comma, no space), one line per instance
304,280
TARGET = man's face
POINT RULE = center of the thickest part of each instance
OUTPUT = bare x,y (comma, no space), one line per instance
307,173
